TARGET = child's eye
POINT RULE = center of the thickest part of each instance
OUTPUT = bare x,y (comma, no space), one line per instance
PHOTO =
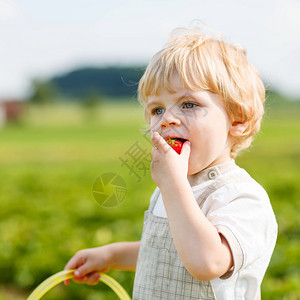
188,105
158,111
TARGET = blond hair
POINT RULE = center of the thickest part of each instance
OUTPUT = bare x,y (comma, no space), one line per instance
211,64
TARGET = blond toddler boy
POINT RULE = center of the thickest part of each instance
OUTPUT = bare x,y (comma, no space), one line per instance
210,230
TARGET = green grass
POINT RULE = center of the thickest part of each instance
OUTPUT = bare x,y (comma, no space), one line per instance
49,162
274,161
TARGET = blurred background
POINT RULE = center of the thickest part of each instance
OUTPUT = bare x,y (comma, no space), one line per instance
69,116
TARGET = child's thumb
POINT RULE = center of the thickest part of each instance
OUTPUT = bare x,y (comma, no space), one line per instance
186,149
82,270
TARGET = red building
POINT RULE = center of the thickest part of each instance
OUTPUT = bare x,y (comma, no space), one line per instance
10,110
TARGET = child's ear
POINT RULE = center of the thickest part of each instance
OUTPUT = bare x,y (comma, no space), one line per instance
238,128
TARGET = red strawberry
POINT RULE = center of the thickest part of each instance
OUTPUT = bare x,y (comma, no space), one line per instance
175,144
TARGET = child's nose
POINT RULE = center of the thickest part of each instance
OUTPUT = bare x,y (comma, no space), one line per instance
169,119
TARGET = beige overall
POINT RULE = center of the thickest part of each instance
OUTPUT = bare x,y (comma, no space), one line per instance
160,274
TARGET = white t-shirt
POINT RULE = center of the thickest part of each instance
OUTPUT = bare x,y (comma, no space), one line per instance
242,213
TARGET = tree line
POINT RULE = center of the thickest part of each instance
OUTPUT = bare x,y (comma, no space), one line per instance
88,83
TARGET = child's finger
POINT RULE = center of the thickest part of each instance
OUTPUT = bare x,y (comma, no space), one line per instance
186,149
74,262
82,270
67,282
159,142
93,278
82,279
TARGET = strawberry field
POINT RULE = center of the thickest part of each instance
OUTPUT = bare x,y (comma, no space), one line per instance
51,159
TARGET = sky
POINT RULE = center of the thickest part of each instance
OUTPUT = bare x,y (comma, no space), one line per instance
40,39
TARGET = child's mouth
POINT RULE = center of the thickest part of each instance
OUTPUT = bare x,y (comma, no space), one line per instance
179,139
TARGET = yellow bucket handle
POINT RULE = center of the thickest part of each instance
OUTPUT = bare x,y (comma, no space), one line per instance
57,278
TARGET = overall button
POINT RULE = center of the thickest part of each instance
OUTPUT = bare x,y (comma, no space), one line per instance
212,174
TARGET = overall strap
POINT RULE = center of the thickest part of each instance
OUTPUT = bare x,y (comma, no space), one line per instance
154,199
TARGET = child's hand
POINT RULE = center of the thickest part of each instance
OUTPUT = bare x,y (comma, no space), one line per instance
88,263
168,166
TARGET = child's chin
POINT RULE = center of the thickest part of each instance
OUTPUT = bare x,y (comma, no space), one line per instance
193,170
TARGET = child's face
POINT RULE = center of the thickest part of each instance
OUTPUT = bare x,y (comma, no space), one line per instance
195,116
